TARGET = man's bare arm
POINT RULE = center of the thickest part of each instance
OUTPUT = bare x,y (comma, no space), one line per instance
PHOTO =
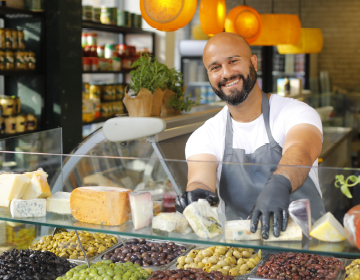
202,172
303,144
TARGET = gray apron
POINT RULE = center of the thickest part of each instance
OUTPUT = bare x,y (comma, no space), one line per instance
240,184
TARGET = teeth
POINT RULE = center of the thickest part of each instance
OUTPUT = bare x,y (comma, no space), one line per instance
232,83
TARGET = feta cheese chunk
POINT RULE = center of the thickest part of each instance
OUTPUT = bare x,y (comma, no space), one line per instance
12,186
240,230
171,222
59,203
28,208
141,209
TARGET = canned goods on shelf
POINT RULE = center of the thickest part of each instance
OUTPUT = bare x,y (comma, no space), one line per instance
32,61
86,63
2,38
7,105
8,38
91,39
9,60
108,15
19,60
21,38
20,123
10,125
2,60
31,122
14,35
17,105
96,14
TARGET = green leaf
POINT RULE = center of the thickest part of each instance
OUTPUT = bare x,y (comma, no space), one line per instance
344,189
352,178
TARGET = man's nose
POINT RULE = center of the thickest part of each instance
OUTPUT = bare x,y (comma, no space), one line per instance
226,72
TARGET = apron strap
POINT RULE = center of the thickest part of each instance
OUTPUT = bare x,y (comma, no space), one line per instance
266,116
228,135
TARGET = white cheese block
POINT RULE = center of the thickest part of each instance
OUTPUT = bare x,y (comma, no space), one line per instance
39,187
38,171
292,233
240,230
141,209
28,208
171,222
202,219
59,203
12,186
327,228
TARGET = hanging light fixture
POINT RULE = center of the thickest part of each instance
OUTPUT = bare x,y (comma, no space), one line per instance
168,15
278,29
311,41
245,21
212,16
198,34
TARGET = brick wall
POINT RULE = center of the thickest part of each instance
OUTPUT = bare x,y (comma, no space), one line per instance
340,25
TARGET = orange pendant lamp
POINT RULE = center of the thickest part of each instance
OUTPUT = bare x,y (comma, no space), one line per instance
245,21
212,16
168,15
311,41
279,29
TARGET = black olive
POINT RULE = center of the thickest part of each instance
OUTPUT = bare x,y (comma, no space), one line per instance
142,241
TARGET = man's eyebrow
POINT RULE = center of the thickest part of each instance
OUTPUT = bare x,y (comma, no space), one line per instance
227,58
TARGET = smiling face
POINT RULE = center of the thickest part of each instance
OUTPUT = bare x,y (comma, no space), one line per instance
231,67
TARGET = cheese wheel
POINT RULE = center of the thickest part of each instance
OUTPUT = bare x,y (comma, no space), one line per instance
100,205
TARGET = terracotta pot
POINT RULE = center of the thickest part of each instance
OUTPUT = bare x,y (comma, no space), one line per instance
140,105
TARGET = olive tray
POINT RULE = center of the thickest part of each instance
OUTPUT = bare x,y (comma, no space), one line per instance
253,276
152,267
240,277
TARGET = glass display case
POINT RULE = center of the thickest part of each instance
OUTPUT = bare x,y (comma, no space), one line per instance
152,163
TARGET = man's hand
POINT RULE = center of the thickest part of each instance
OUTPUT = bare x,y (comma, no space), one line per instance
186,198
274,200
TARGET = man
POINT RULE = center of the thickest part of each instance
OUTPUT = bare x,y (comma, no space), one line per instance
257,128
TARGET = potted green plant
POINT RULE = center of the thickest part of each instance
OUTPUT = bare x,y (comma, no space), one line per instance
145,94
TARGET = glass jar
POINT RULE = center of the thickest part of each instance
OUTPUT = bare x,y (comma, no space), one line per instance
21,38
31,123
123,50
10,125
2,38
32,61
19,60
100,51
7,105
8,38
91,39
2,125
2,60
86,64
17,104
14,35
26,60
110,51
20,123
84,39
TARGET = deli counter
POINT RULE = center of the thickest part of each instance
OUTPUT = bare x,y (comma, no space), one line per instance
126,153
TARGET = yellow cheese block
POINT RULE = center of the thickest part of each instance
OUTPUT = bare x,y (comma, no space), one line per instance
12,186
39,187
101,205
40,171
327,228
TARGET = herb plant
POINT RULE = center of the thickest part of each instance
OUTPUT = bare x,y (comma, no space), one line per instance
149,74
177,101
344,185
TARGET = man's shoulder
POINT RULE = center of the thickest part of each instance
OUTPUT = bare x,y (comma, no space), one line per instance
219,118
281,104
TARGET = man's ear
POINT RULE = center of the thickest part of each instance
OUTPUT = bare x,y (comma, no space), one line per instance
253,60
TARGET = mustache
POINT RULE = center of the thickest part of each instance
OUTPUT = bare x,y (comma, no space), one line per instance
233,77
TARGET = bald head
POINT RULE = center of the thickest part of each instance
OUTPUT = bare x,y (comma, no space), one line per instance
226,40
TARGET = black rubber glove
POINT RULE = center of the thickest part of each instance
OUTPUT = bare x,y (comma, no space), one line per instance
273,199
186,198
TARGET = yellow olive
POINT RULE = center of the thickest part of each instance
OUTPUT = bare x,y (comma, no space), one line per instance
244,267
191,255
207,253
200,265
242,272
237,254
250,264
226,267
189,260
234,272
246,254
222,263
224,272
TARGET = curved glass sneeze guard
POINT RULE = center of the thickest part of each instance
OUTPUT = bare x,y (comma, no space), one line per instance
149,173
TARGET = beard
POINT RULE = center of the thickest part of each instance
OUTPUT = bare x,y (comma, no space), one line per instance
236,96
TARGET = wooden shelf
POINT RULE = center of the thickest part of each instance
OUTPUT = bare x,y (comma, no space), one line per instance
113,28
107,72
18,13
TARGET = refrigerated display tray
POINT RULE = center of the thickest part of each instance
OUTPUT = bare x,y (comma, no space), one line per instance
253,276
240,277
152,267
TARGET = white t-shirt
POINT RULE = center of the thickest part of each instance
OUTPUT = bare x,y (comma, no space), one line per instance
284,114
